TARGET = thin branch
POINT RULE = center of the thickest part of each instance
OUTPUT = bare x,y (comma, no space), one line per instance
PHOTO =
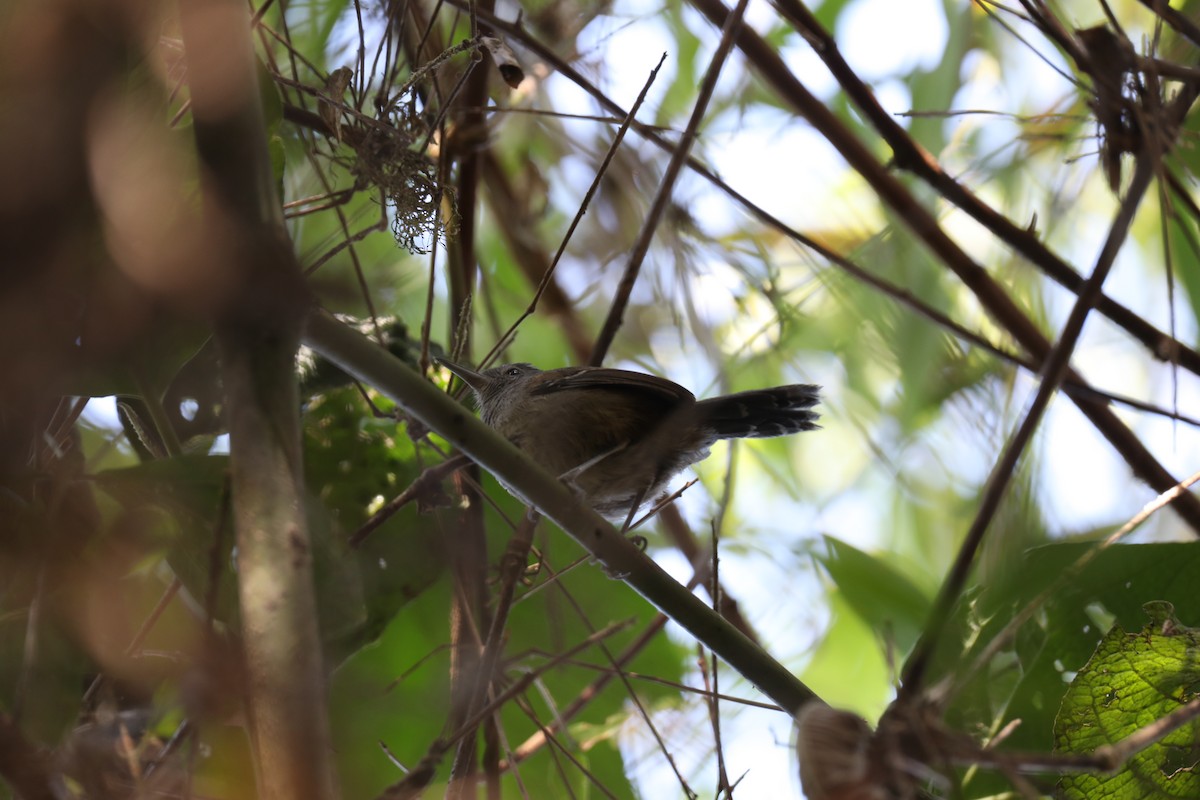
548,273
1054,369
991,295
616,313
1175,19
944,691
909,155
630,691
423,483
422,774
512,567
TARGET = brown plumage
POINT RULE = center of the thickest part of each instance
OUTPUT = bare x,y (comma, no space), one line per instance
619,436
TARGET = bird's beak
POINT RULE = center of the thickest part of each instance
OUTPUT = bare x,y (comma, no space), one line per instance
468,376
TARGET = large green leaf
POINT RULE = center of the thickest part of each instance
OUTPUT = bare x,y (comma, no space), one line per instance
848,669
885,598
1030,676
1131,680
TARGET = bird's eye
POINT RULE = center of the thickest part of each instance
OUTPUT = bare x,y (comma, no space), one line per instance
513,372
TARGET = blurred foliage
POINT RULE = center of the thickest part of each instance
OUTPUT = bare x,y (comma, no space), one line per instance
833,544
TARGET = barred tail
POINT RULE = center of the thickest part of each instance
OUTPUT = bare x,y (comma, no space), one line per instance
762,413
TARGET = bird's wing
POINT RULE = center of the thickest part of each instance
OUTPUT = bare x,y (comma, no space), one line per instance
616,380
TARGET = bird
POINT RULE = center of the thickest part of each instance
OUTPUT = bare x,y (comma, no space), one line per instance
618,436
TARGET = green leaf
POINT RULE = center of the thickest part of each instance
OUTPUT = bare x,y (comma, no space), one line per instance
184,495
181,499
1185,259
677,99
161,349
1028,680
848,669
270,97
401,560
1130,681
883,597
278,155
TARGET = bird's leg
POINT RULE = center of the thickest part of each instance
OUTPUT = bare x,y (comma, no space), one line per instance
570,475
637,539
